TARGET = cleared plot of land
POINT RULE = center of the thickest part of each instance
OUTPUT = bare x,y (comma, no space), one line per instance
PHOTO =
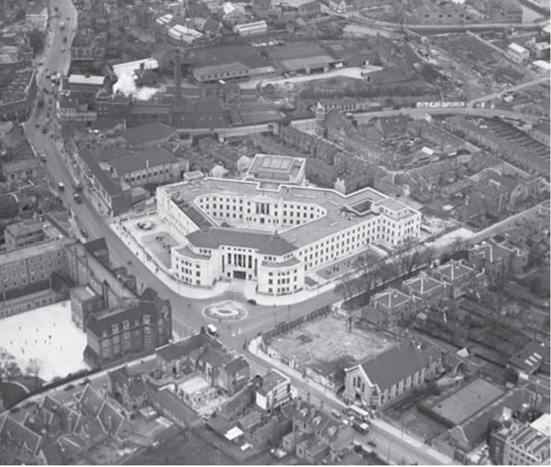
326,345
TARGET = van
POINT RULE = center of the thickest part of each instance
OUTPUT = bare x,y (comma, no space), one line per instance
212,331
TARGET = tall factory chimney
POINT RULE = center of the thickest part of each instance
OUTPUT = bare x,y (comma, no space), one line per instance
177,77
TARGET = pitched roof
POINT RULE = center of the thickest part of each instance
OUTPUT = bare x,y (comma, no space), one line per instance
276,245
90,402
119,376
399,362
149,158
111,419
98,323
475,428
453,270
67,416
214,356
56,454
179,349
13,431
236,364
390,298
422,283
261,241
175,406
530,357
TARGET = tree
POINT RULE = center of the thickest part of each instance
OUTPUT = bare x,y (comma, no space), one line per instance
34,367
408,255
367,265
8,367
36,39
348,288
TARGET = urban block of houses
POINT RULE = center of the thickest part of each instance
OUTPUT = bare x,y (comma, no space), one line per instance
497,259
53,433
521,443
200,353
458,277
424,289
317,435
389,307
382,379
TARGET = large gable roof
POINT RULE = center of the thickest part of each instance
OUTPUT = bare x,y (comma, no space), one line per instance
264,242
399,362
146,133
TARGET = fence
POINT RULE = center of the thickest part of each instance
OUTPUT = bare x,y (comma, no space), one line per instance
283,328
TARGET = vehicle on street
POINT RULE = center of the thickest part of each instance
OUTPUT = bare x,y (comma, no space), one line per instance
77,185
361,427
61,186
77,198
211,330
84,232
69,387
358,413
252,301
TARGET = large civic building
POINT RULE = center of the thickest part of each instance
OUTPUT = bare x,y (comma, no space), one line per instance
273,233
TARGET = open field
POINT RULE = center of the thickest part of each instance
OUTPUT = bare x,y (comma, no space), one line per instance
326,345
48,336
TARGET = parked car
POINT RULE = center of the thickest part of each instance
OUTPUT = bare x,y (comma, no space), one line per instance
69,387
252,301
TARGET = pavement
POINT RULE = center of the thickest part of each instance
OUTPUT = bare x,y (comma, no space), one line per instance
397,446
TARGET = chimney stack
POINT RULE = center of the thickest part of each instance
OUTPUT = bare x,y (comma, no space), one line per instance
105,294
177,77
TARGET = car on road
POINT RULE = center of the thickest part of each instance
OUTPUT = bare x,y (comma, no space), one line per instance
252,301
361,427
77,197
69,387
84,232
211,330
61,186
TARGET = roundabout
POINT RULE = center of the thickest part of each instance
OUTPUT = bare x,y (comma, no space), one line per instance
225,311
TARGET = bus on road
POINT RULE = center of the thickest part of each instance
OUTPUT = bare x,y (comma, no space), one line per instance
358,413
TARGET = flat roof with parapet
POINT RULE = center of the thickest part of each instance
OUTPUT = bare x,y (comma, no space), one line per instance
468,401
338,213
284,165
87,79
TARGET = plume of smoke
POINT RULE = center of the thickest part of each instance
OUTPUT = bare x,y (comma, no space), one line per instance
126,84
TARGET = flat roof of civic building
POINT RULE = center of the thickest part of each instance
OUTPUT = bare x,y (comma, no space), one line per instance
468,401
340,209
